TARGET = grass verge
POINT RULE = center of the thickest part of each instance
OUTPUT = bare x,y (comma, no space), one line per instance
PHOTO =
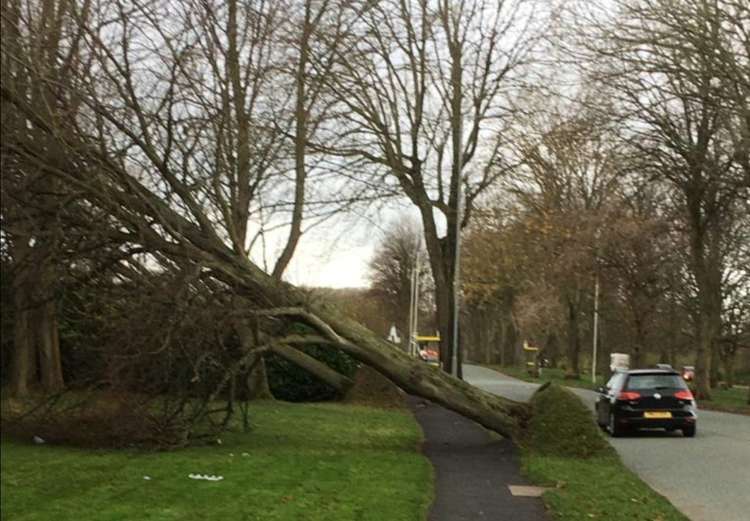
566,451
732,400
301,462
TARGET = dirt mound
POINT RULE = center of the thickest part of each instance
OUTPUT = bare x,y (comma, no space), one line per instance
375,390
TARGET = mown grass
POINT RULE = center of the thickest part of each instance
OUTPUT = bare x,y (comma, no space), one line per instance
728,400
732,400
300,462
553,375
567,452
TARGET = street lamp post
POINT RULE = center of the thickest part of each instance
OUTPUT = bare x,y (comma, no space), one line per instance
414,305
456,286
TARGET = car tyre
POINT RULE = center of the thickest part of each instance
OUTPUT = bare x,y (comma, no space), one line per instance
615,430
689,432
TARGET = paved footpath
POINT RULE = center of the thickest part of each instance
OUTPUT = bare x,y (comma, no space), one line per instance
473,469
706,477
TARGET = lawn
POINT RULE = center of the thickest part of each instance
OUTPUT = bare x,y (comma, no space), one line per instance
599,488
550,375
729,400
567,452
301,462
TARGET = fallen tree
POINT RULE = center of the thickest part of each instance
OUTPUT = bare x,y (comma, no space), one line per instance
135,207
140,159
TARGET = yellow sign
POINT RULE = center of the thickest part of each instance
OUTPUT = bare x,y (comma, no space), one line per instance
427,338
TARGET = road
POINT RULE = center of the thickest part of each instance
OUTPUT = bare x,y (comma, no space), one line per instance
706,477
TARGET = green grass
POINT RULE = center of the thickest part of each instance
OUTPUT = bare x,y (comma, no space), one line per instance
728,400
301,462
565,451
553,375
598,488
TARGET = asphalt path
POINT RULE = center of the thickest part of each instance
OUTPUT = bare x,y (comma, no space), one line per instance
706,477
472,470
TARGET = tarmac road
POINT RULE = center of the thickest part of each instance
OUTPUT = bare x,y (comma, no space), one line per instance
706,477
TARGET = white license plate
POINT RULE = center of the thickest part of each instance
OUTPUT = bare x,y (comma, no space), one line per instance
657,415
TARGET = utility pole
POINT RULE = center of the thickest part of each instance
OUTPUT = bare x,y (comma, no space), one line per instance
414,305
457,258
457,139
416,299
410,332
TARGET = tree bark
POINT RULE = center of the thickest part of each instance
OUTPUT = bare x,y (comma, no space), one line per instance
320,370
23,359
493,412
48,341
574,341
36,345
715,365
729,358
257,381
639,344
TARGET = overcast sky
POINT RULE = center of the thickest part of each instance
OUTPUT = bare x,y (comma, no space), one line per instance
337,253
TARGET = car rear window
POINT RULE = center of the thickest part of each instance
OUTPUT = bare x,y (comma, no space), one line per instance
655,381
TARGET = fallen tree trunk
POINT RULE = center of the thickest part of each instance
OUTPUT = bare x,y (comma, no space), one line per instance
413,376
336,380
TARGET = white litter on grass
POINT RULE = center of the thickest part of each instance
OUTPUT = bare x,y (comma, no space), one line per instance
147,478
38,440
206,477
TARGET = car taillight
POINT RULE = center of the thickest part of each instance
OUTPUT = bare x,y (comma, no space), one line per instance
683,395
628,396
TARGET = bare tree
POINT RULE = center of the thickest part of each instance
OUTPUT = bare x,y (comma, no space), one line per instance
568,175
33,199
391,268
425,90
678,71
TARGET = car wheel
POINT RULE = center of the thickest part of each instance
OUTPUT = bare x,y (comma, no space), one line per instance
615,430
688,432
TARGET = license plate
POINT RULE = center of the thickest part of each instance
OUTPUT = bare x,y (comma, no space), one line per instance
657,414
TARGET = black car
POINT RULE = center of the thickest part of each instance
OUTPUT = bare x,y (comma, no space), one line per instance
646,399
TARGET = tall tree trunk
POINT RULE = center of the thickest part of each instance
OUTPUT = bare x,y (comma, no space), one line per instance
574,342
715,365
23,357
257,381
300,146
639,344
551,349
443,304
48,342
36,345
257,378
704,252
503,335
729,358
